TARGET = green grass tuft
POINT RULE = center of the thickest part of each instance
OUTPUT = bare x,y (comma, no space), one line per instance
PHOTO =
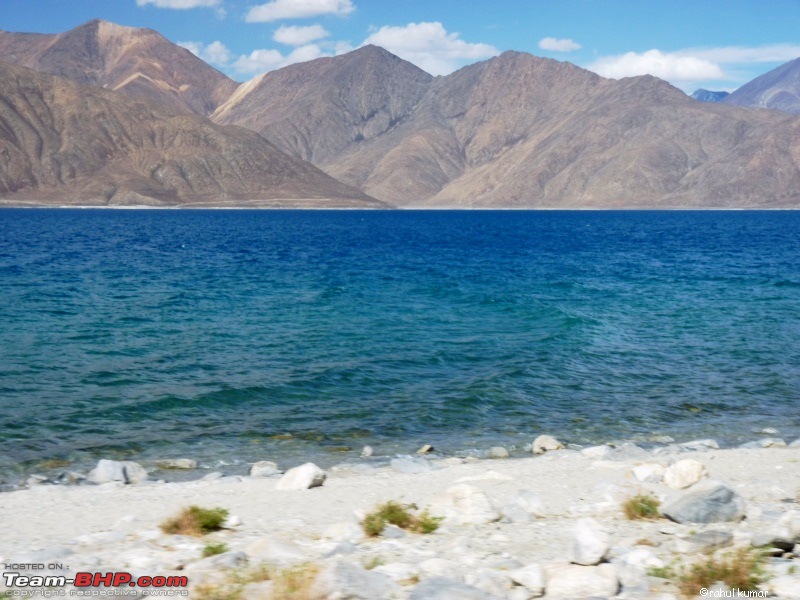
195,521
641,506
400,515
213,549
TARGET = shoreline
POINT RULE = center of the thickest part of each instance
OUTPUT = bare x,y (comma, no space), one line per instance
416,208
114,526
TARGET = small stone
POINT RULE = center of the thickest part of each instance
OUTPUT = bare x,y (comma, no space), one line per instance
684,473
463,504
304,477
648,473
426,449
530,502
264,468
530,577
345,532
577,581
706,502
705,541
232,521
546,443
399,572
765,443
367,451
211,476
497,452
590,542
177,463
490,581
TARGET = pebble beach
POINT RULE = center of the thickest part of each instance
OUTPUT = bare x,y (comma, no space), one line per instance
549,525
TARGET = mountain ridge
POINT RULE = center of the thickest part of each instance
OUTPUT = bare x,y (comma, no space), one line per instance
138,62
65,143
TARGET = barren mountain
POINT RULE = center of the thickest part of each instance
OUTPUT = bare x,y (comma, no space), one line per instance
778,89
138,62
318,109
709,96
523,131
63,143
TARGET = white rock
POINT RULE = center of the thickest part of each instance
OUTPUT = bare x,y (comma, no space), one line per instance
531,578
272,550
264,468
597,451
303,477
113,470
367,451
684,473
524,507
649,472
545,443
463,504
438,567
577,581
785,586
398,572
489,580
590,542
497,452
789,525
231,521
347,531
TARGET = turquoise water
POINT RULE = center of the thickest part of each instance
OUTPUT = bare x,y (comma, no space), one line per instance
232,336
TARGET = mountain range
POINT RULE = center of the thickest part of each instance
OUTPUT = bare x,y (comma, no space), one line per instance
515,131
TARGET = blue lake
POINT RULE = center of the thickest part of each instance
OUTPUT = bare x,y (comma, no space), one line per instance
233,336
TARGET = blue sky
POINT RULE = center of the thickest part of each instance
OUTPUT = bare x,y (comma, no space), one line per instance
716,44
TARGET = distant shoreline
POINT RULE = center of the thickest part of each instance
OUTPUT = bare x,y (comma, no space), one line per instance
415,208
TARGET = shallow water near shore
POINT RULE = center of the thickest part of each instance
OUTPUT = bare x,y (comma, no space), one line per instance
235,336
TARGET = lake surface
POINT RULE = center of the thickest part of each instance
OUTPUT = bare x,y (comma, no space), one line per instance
234,336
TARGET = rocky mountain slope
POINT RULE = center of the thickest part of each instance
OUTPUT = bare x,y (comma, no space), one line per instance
63,143
139,62
522,131
778,89
318,109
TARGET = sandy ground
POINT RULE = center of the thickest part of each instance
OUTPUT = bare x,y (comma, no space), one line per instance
100,525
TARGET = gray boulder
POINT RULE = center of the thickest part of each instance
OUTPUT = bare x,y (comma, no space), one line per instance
545,443
344,581
264,468
304,477
440,588
709,501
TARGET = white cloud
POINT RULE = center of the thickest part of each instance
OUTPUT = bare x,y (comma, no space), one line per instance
215,53
179,4
297,9
742,54
299,36
670,66
260,61
430,47
557,45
